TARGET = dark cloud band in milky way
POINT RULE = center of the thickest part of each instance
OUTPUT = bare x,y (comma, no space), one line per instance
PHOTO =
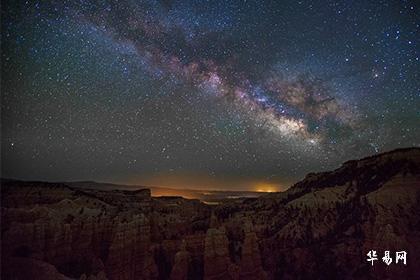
283,105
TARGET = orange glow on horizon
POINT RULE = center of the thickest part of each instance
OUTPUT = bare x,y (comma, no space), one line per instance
200,181
266,187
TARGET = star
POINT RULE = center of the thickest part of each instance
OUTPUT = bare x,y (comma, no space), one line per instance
238,90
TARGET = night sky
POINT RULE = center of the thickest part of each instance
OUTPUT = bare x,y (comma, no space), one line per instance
205,94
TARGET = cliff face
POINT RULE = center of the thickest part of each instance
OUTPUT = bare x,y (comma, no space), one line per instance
321,228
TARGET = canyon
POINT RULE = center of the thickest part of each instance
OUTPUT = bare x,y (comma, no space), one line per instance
320,228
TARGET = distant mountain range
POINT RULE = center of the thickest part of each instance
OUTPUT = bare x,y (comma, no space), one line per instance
210,196
207,196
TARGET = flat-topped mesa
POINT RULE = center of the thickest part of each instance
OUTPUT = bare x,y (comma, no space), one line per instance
20,193
26,194
135,199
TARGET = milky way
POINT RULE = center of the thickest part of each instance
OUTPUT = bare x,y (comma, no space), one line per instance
216,94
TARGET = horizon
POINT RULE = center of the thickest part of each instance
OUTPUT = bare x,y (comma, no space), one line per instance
262,188
141,186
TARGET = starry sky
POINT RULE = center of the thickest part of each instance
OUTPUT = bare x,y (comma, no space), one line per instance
204,94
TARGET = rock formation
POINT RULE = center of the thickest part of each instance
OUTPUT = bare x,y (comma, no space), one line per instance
216,255
181,264
250,264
